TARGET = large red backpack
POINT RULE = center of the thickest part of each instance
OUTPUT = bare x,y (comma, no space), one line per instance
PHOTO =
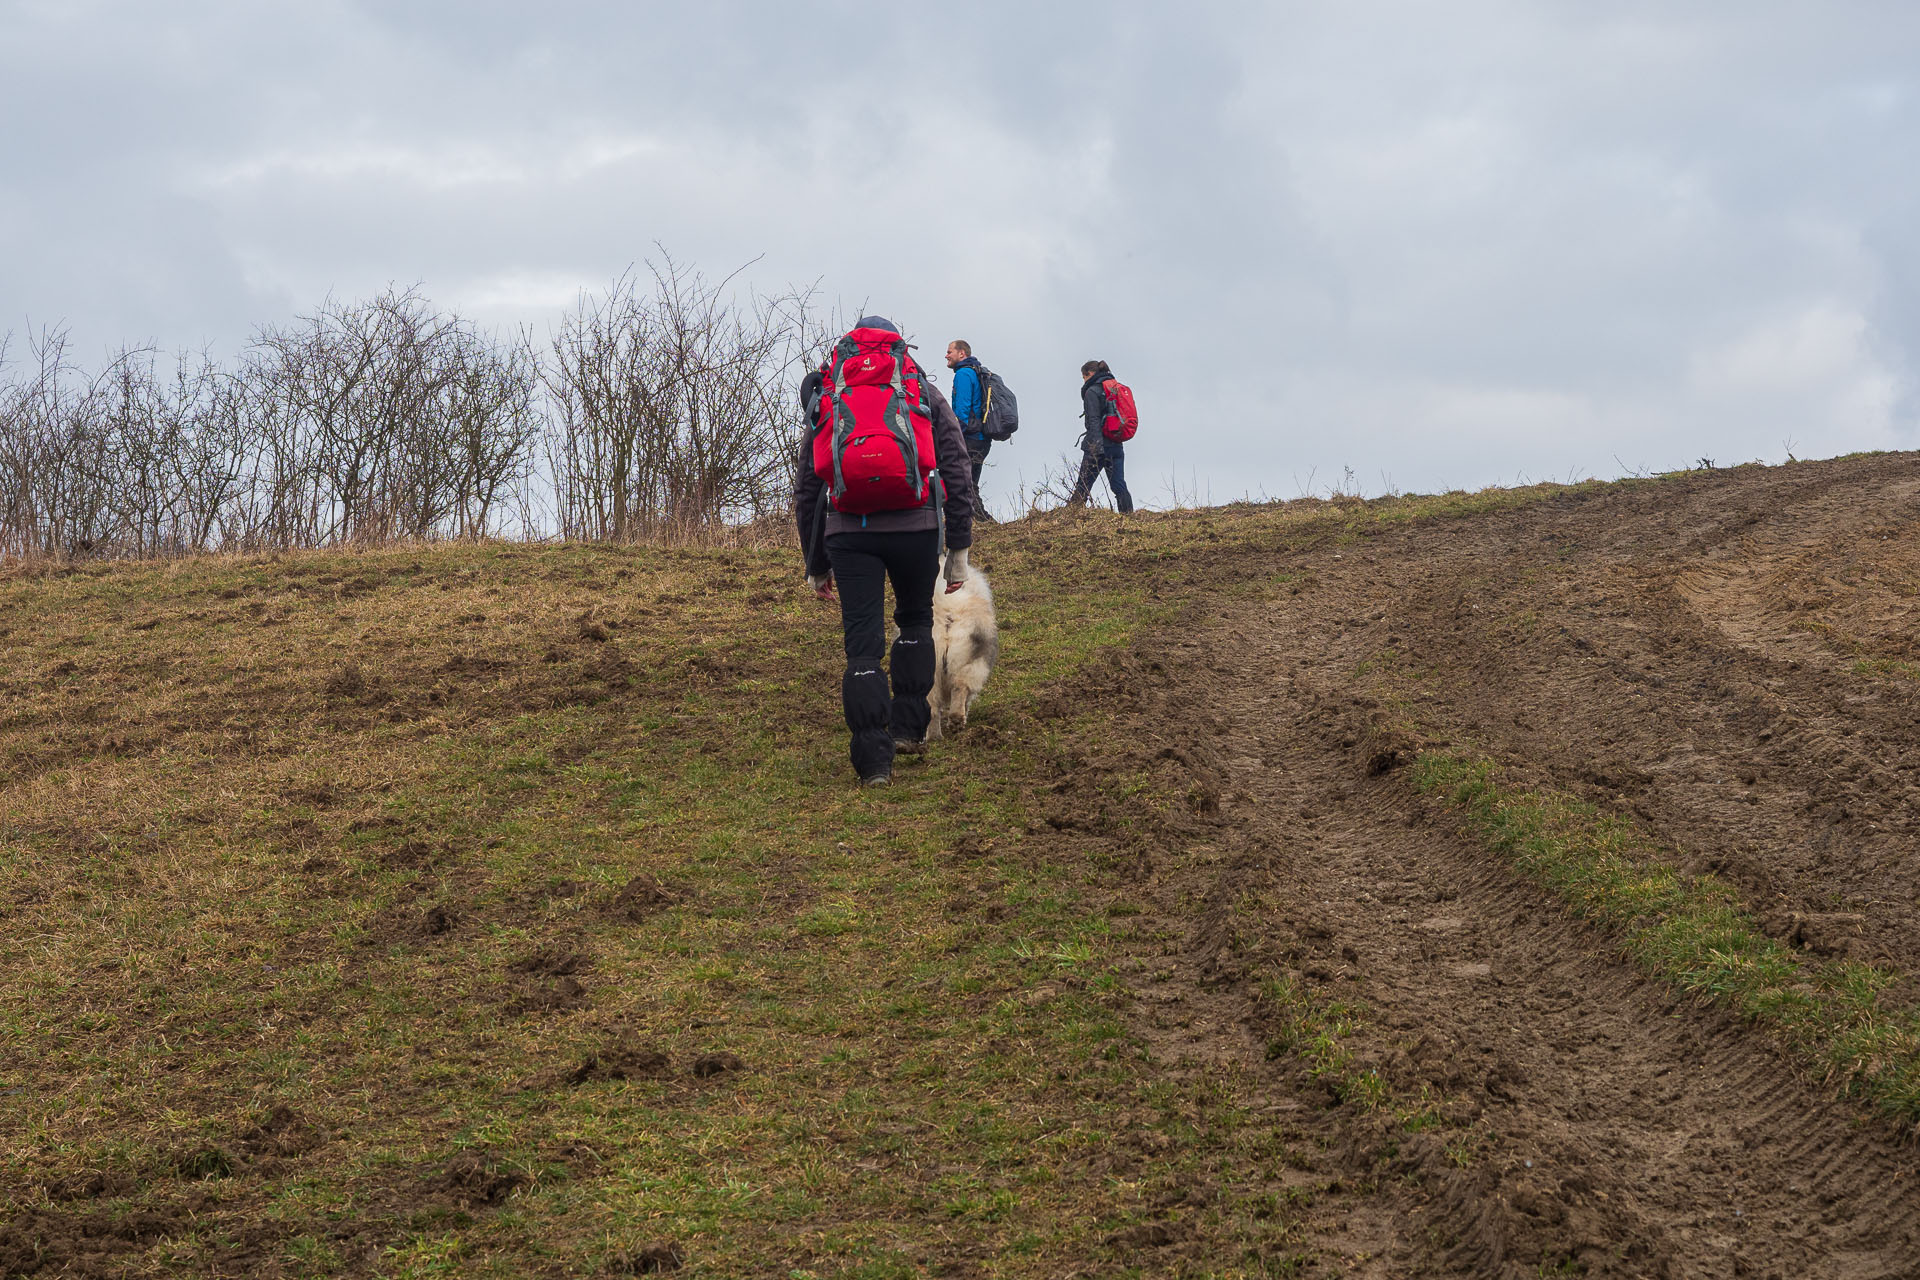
873,437
1122,418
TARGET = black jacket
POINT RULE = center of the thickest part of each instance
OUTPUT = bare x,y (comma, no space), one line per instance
1093,408
817,520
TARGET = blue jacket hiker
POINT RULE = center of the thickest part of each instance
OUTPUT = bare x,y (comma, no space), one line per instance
969,405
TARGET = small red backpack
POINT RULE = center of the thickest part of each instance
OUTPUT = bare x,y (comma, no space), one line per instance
873,437
1122,418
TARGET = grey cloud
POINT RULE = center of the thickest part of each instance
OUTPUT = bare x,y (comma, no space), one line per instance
1448,245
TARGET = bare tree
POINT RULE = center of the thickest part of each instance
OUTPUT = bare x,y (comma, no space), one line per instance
664,408
385,420
673,410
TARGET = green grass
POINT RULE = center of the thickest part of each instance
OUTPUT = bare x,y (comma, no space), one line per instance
224,834
1691,931
1887,668
1317,1029
294,832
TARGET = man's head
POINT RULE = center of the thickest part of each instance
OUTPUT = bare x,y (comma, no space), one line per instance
1095,368
957,350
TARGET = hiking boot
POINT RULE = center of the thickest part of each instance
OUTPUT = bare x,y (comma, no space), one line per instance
877,780
909,746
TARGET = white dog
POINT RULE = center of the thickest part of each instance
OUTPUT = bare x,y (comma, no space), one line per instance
966,643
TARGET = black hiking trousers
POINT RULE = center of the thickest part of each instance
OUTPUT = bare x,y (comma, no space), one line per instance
863,563
1111,457
977,449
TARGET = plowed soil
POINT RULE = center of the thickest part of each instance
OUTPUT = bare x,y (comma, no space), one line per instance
1721,657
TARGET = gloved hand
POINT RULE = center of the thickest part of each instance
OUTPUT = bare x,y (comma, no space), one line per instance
822,586
956,570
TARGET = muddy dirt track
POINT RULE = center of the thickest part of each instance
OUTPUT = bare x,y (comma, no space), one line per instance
1722,657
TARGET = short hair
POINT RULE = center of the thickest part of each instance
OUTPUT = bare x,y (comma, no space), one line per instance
966,347
1094,366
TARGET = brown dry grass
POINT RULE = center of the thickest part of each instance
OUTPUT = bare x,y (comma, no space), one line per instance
408,911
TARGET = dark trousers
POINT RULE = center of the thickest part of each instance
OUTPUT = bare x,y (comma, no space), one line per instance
863,564
977,448
1109,456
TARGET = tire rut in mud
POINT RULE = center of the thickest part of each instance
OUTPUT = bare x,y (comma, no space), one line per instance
1654,652
1587,1116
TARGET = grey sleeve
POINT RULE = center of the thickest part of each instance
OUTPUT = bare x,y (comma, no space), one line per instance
956,469
809,502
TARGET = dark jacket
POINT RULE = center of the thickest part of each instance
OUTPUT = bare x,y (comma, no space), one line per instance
1093,407
817,520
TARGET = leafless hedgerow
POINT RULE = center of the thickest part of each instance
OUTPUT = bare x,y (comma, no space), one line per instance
382,421
371,421
673,407
665,413
134,461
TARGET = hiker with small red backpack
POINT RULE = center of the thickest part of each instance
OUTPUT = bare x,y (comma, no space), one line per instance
883,477
1107,406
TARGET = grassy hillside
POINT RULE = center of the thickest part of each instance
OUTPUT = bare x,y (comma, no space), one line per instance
505,910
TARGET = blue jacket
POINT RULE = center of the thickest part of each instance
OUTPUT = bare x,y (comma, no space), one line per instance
966,397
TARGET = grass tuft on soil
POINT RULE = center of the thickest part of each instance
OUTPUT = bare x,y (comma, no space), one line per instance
1690,930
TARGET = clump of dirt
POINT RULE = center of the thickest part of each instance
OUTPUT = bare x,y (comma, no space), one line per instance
664,1255
281,1132
46,1241
970,848
1147,1235
413,855
561,995
553,962
1825,933
403,923
473,1178
641,898
349,682
89,1184
205,1161
578,1159
622,1060
713,1064
320,795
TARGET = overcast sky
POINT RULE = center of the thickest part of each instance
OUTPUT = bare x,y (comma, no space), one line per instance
1441,245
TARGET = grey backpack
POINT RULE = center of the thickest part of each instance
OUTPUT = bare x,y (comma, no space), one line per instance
999,410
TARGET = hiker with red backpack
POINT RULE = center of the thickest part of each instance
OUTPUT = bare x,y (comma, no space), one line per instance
883,476
1107,406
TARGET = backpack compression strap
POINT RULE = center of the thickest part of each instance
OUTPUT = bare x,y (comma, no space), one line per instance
842,418
899,423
